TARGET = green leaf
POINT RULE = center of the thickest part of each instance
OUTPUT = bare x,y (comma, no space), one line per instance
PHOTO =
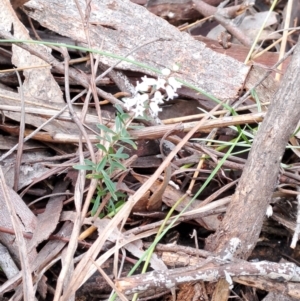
96,205
120,203
89,162
130,142
119,124
115,138
119,156
83,167
120,150
123,117
102,147
117,165
109,184
101,165
121,196
119,109
94,176
111,214
255,96
111,206
105,129
111,151
105,138
109,138
101,191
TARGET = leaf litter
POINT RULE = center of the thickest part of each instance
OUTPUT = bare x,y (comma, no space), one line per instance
82,200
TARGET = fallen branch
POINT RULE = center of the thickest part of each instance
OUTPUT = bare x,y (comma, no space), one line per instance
212,269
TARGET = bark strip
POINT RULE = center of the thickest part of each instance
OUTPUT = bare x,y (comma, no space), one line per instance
247,209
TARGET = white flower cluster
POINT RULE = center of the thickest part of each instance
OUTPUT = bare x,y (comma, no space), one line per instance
149,94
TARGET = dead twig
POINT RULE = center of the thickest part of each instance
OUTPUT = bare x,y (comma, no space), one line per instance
21,135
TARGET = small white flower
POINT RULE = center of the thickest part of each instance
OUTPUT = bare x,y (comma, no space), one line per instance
158,98
174,83
171,93
269,211
175,67
130,102
171,15
142,98
141,87
154,108
166,72
145,84
149,81
138,101
160,83
138,110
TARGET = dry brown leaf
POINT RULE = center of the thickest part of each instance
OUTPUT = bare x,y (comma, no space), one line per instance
28,223
17,3
48,220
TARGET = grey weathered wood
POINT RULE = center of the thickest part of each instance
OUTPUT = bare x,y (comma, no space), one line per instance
247,209
118,26
212,270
